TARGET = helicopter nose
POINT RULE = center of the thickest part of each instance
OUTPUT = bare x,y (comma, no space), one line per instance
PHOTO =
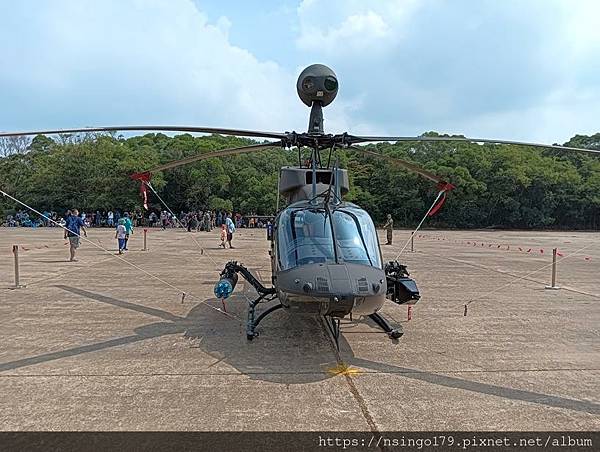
342,280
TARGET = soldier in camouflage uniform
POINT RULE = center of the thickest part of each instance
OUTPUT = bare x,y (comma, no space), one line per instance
389,227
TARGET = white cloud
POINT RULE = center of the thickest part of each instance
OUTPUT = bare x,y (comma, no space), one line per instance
79,63
560,116
347,27
512,69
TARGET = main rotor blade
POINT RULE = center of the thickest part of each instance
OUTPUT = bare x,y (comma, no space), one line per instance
233,132
408,165
360,139
209,155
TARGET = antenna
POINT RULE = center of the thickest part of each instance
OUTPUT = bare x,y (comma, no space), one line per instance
278,185
337,182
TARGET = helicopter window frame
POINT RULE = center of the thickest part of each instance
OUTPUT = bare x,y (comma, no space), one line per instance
287,246
364,223
287,239
358,228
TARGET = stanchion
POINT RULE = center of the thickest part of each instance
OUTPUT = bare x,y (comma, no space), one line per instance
409,313
145,239
412,242
15,251
553,286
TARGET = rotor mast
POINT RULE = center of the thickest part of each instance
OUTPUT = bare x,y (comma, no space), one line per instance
315,126
315,123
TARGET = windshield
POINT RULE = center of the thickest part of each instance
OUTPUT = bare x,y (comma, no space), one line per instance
355,237
305,237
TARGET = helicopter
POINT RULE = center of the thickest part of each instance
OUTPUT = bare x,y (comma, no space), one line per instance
325,254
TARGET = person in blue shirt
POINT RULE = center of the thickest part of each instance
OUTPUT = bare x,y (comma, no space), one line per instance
73,227
128,227
230,229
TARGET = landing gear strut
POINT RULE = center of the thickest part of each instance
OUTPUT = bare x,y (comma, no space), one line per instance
229,274
252,322
333,324
393,333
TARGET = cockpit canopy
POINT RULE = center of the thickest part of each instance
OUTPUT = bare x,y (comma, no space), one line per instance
306,236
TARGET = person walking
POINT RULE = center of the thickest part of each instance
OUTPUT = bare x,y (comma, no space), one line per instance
74,226
128,227
121,235
230,229
223,235
389,227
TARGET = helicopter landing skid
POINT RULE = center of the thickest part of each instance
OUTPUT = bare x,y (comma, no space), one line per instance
253,322
393,333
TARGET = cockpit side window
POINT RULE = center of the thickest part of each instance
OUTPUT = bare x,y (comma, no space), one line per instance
356,237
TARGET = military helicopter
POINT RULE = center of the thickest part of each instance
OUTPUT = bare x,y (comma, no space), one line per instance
325,254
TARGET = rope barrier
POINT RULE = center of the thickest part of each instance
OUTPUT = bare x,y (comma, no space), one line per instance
503,247
528,275
202,250
119,257
421,223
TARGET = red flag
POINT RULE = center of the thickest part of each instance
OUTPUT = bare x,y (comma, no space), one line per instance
144,178
444,187
437,206
144,192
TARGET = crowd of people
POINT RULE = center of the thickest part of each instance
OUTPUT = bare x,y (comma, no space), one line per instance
195,220
75,223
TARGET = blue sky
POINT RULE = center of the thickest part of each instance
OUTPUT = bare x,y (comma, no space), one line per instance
527,69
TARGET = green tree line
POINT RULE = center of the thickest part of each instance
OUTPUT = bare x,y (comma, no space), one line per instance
496,185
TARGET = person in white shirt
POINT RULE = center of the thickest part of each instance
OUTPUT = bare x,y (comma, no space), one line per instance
110,219
121,235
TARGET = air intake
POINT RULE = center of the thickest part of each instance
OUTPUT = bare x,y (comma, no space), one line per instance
363,285
322,284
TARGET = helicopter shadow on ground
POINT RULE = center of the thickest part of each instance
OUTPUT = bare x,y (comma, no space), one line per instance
289,350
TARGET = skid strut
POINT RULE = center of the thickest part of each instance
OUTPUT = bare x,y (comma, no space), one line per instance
230,272
393,333
333,324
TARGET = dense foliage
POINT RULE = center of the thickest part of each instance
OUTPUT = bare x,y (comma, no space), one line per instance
496,186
